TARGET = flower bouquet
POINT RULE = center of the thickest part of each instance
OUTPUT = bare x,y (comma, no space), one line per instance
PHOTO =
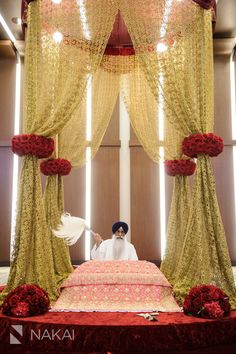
26,300
198,144
32,144
180,167
55,166
206,301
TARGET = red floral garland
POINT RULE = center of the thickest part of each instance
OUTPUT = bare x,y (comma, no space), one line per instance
180,167
55,166
197,144
32,144
206,301
26,300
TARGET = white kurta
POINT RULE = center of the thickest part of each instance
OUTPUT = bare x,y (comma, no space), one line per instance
105,251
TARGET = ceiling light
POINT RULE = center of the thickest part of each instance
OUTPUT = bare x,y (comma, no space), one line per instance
161,47
57,36
16,20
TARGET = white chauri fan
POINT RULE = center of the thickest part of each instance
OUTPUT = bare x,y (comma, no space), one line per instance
71,228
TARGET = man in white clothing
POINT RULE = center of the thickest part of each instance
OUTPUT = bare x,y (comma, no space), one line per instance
115,248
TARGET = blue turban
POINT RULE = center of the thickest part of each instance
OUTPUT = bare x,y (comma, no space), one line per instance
119,224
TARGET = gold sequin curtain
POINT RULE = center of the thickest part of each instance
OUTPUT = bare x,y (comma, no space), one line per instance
204,258
176,228
173,41
169,37
161,49
146,113
54,207
65,43
89,123
69,47
32,255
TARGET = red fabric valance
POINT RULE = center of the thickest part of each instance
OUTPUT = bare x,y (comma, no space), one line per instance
206,4
119,51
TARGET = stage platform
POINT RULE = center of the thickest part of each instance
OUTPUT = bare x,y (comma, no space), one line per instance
85,332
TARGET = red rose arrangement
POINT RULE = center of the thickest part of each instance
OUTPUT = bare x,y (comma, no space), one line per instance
26,300
197,144
55,166
206,301
180,167
32,144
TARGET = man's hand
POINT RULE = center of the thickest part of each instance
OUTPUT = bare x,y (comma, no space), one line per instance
97,239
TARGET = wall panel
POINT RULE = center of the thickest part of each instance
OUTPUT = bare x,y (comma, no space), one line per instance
223,170
6,160
222,97
145,220
7,98
105,190
74,188
168,194
7,104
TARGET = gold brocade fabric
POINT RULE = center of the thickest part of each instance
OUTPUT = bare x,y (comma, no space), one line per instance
116,286
32,256
54,207
204,258
89,123
116,298
176,228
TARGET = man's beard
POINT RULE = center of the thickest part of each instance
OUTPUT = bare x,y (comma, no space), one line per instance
118,248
